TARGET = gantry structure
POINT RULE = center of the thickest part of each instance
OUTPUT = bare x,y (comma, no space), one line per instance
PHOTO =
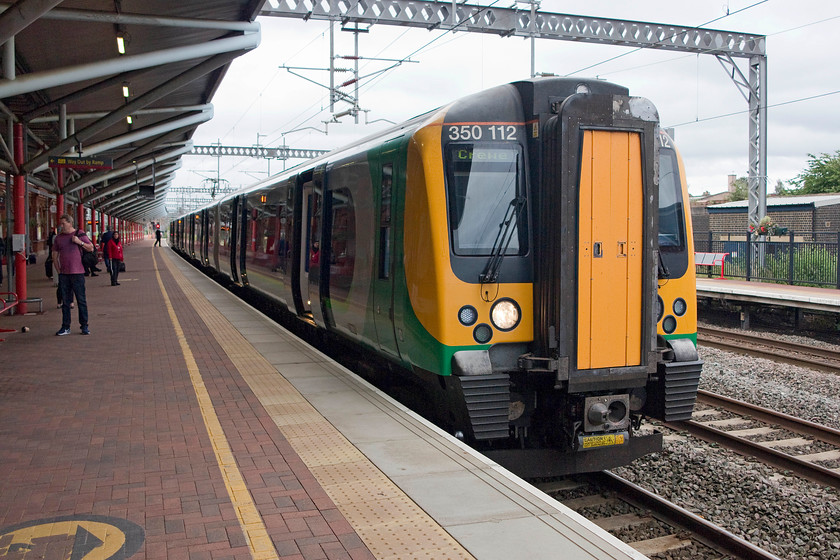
728,47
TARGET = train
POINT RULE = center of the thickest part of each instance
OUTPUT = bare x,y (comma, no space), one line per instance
523,255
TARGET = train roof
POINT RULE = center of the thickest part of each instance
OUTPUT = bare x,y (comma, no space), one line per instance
780,202
534,93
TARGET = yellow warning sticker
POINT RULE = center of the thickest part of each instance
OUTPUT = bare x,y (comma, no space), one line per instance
602,441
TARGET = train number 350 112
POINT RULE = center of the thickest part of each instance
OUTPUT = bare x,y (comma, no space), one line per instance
482,132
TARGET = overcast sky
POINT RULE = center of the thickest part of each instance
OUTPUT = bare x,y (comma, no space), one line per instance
259,101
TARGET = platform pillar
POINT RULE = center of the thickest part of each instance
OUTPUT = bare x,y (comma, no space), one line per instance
80,217
745,317
20,218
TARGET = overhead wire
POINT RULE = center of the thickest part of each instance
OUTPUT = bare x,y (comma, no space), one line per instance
240,162
637,49
697,120
771,106
375,78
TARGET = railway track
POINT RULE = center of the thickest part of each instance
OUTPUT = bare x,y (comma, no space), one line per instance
762,433
800,355
670,527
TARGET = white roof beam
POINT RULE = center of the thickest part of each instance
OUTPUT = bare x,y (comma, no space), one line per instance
72,74
128,182
20,15
138,113
140,102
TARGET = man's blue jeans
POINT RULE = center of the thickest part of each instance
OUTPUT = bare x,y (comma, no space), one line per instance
70,285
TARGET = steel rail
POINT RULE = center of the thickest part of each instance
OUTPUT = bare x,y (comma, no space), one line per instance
747,344
817,431
713,536
792,346
805,469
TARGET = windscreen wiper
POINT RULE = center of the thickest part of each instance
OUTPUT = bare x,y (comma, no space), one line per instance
502,242
663,269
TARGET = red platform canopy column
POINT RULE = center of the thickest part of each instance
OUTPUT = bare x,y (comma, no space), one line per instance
20,217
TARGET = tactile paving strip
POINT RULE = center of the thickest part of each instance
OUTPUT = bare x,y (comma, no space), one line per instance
389,522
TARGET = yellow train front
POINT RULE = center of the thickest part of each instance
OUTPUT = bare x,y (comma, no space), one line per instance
532,264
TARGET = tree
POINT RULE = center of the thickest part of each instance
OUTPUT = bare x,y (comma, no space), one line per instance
781,190
822,175
741,190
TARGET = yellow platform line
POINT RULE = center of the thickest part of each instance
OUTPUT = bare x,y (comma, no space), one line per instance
256,535
389,522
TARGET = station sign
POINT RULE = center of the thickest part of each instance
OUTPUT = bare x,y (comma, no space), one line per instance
67,162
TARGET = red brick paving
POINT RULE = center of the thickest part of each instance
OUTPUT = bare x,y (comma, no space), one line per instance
108,424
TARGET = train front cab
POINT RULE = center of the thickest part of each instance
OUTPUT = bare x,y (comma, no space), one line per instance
571,377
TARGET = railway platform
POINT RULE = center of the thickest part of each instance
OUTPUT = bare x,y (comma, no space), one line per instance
188,425
747,294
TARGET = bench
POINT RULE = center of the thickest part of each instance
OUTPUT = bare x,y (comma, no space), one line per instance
10,301
711,259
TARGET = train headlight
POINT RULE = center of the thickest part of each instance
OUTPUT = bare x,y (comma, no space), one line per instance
505,314
680,307
467,315
669,324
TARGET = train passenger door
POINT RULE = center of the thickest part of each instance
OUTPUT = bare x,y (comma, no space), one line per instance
191,236
312,200
595,229
610,247
214,237
233,236
383,294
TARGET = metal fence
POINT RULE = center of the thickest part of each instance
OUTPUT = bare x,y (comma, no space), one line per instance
797,258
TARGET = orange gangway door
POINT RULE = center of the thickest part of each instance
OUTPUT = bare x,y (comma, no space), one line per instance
610,283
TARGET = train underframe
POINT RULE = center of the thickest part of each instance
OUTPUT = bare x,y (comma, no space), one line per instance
529,422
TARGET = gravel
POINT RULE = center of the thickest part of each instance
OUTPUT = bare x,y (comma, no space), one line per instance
792,518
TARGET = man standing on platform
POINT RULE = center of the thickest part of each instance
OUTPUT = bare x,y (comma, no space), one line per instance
103,243
157,237
67,256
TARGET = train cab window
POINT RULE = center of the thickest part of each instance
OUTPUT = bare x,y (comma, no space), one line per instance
671,229
672,237
484,181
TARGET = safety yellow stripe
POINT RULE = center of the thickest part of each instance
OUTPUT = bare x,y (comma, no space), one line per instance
367,498
259,543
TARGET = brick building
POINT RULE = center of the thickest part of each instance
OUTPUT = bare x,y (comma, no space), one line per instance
804,215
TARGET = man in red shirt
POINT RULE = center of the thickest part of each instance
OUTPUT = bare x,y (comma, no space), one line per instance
67,258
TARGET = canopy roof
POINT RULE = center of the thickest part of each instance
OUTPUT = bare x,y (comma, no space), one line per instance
68,81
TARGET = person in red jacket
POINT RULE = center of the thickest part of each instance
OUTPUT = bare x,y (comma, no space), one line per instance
114,251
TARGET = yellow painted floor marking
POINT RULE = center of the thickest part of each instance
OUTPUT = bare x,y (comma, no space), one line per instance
259,543
391,524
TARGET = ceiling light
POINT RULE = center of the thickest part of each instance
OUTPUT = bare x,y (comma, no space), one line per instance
128,119
120,43
125,90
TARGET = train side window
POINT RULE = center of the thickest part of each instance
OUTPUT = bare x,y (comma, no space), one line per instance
343,238
385,221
